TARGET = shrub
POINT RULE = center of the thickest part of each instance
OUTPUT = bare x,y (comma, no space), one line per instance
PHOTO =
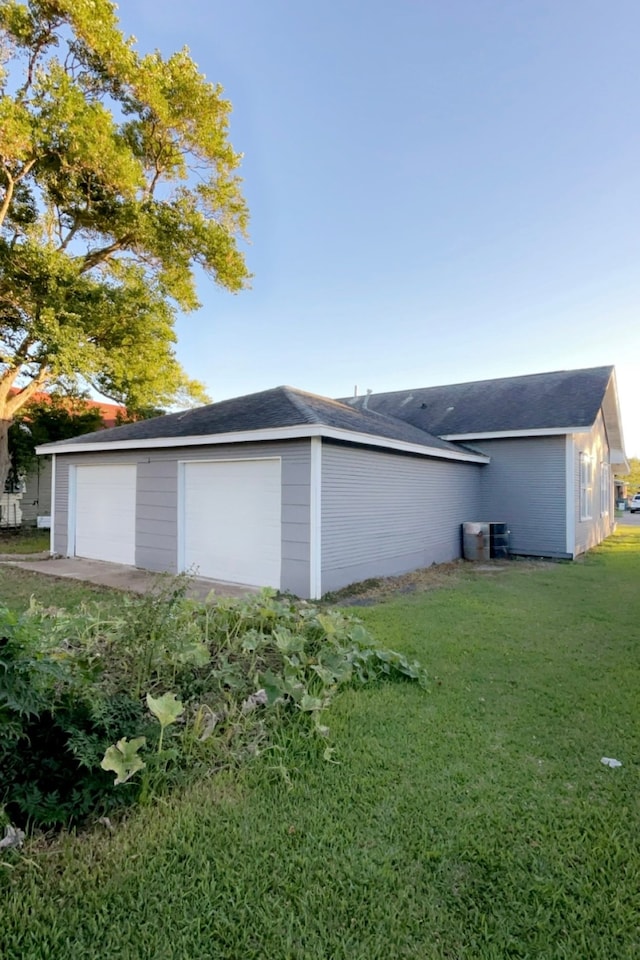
160,687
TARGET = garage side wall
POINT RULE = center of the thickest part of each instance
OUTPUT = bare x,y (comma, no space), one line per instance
525,486
385,514
157,501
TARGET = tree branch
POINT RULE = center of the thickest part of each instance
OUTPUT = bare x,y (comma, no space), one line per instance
18,400
94,257
11,185
8,197
25,170
70,235
7,380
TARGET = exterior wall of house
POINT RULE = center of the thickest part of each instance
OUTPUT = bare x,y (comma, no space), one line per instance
157,501
10,509
592,530
36,499
385,513
525,486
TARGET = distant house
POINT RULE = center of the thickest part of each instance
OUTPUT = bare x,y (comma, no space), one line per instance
30,497
307,494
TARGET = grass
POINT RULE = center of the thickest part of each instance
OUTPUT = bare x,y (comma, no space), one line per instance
471,821
24,540
18,586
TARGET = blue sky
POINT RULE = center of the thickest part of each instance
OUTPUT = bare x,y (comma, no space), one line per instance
439,191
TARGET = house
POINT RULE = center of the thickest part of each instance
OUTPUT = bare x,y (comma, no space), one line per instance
306,494
29,497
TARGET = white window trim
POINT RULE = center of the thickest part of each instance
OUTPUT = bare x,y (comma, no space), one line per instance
586,486
605,488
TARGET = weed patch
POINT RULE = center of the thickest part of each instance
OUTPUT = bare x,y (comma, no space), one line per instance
158,688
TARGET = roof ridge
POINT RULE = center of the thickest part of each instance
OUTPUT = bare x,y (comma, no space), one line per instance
468,383
294,398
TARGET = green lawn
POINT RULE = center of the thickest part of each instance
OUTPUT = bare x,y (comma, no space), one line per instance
24,540
474,820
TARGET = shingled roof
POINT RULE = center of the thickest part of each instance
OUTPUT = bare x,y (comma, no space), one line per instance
542,401
269,409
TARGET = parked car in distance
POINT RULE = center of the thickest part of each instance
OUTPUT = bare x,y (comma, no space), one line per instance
634,503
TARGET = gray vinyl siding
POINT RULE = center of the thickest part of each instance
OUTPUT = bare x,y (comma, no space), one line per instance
589,533
385,513
525,486
157,501
36,499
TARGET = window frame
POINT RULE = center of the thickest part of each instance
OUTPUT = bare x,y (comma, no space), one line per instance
605,488
586,486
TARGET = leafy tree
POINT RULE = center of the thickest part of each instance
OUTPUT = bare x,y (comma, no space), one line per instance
117,180
44,422
633,477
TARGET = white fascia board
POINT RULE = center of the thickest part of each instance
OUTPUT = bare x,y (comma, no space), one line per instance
500,434
619,451
254,436
617,458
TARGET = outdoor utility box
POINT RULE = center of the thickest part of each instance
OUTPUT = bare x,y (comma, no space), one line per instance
485,541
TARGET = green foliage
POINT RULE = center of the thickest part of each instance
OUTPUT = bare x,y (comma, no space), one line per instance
123,759
475,822
163,687
44,422
633,477
117,180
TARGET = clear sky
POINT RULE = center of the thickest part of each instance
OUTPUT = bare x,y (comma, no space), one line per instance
440,190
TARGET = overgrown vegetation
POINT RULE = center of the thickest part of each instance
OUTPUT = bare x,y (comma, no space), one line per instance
472,821
160,688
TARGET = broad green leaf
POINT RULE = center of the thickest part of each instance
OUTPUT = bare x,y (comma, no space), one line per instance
327,623
273,685
289,643
310,704
166,708
196,654
122,758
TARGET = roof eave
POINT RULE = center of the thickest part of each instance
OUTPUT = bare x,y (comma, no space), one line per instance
613,423
500,434
273,433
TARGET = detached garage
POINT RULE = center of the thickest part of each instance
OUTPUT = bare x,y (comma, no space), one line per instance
280,489
305,494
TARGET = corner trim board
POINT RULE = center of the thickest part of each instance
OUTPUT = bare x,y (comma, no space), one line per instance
52,532
570,504
315,520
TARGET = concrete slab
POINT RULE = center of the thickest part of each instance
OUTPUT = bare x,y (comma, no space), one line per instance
10,557
120,577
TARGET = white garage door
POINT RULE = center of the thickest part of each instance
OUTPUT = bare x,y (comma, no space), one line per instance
106,513
231,520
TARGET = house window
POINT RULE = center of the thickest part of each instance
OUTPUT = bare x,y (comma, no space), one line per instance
586,486
605,488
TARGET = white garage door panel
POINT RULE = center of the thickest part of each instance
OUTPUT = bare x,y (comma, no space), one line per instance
106,513
232,528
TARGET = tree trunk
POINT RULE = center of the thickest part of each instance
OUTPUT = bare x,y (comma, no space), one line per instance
5,459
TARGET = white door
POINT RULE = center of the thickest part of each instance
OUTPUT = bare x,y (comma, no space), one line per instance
231,520
105,513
